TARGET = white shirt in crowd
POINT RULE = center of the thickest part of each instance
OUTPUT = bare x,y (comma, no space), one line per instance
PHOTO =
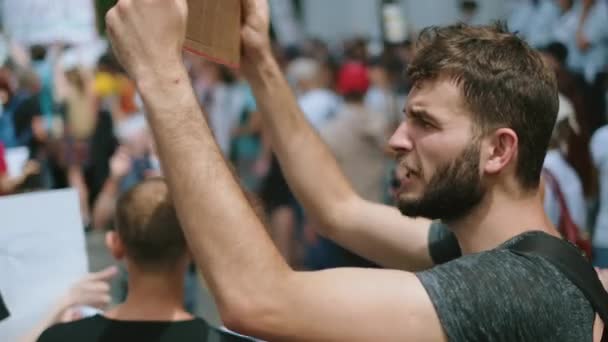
319,106
385,102
227,103
599,153
595,30
535,22
571,187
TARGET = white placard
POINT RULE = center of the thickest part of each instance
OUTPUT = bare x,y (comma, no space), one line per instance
16,157
45,22
42,253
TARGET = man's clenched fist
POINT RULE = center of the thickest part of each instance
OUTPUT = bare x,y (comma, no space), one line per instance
147,35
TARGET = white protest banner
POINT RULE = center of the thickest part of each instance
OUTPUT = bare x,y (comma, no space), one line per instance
42,253
45,22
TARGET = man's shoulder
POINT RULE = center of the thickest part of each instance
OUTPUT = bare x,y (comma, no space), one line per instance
503,264
500,294
73,331
99,328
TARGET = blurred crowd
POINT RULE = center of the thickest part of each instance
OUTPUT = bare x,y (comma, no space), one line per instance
86,127
573,38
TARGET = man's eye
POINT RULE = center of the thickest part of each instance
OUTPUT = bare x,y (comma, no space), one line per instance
422,123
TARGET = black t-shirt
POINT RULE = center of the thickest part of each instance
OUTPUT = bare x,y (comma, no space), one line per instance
101,329
498,295
24,113
3,310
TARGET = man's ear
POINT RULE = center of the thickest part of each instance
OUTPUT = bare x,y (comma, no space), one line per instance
115,245
501,150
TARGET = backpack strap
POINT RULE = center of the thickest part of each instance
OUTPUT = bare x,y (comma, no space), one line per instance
572,263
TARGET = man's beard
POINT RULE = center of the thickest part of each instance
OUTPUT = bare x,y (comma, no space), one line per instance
453,191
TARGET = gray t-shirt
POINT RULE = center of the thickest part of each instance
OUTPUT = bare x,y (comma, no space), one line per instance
501,296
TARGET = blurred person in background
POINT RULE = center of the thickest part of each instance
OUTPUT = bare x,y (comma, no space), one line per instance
148,237
561,179
583,28
520,14
105,204
74,90
10,185
599,150
381,97
319,50
468,11
575,89
225,101
246,145
356,136
318,103
535,20
107,87
8,103
133,161
43,60
31,131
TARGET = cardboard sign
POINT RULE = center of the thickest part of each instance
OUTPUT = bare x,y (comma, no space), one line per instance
214,30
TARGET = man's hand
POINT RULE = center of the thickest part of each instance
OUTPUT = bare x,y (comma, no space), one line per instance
256,41
147,35
92,290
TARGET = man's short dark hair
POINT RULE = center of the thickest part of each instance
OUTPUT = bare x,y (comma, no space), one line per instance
505,83
147,224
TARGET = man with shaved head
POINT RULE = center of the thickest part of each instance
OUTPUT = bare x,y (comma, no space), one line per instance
149,239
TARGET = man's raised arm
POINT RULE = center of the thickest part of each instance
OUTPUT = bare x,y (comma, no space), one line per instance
375,231
256,292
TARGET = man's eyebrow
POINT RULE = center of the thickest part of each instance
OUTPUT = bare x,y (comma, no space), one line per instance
420,114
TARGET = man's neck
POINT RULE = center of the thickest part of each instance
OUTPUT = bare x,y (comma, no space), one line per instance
153,297
499,218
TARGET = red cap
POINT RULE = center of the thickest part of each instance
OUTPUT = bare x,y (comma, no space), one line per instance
353,78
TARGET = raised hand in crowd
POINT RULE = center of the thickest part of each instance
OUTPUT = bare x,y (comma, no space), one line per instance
120,164
9,185
105,204
90,292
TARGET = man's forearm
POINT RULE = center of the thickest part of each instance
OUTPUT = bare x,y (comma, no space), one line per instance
228,241
308,165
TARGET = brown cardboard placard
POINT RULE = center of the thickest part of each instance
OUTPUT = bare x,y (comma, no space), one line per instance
214,30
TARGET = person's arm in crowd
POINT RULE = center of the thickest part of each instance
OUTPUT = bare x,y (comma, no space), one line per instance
9,185
60,83
92,290
19,55
105,204
256,292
